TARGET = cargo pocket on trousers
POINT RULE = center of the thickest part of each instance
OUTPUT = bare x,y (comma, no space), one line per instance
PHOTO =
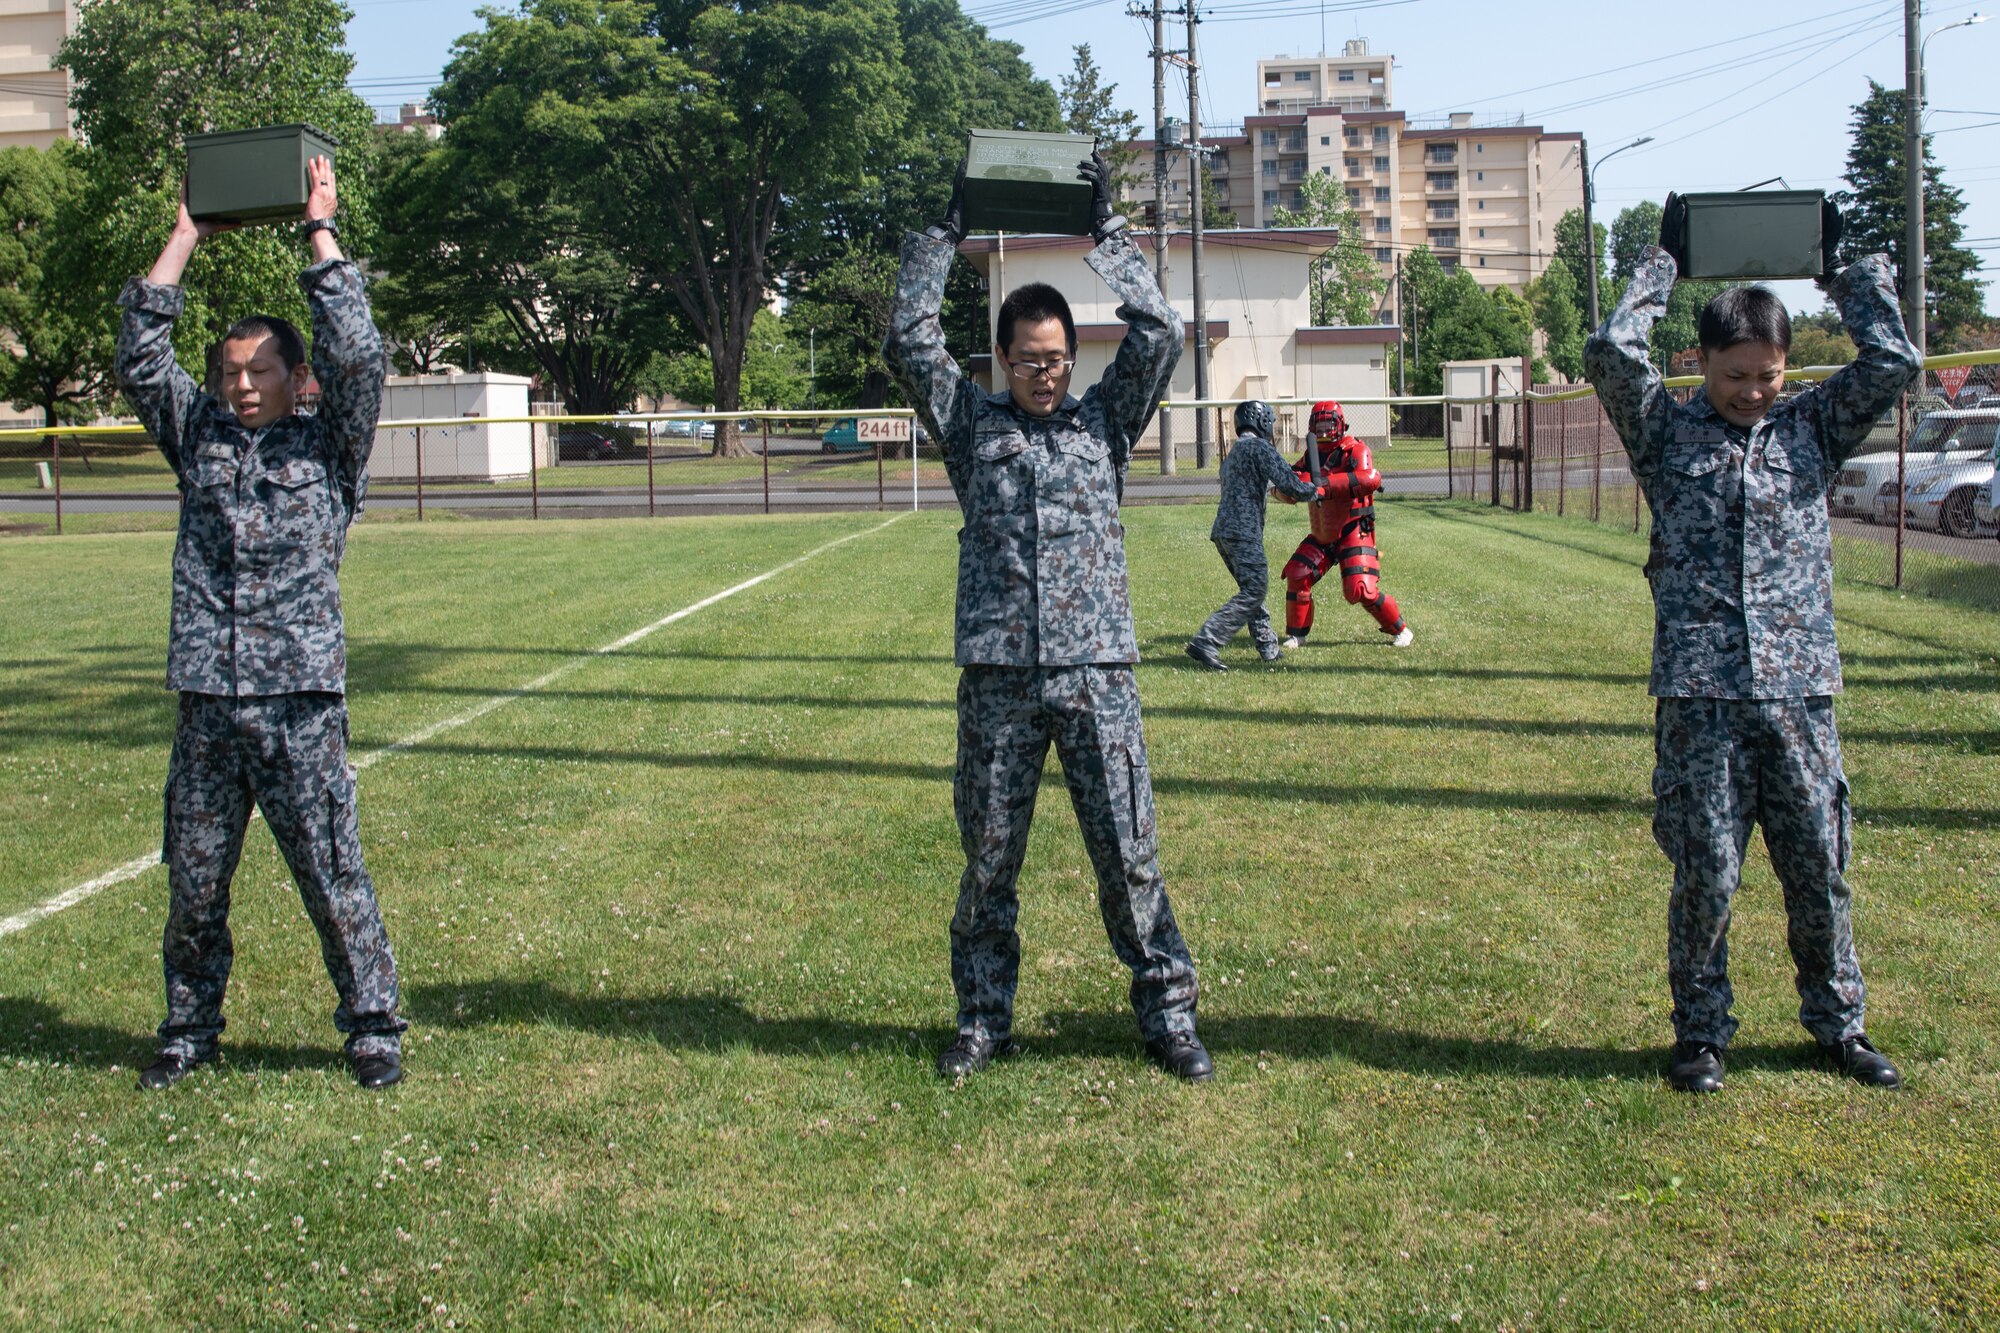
343,826
1843,823
1139,796
1669,814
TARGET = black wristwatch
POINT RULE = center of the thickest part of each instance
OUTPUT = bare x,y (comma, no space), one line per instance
327,225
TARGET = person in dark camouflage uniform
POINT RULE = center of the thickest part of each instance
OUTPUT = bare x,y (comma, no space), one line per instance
1044,624
257,650
1252,467
1744,661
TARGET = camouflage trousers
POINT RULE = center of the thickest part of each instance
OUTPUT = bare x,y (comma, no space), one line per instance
1725,766
288,754
1252,572
1007,716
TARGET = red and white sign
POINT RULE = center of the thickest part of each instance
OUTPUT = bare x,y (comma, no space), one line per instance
1953,379
888,430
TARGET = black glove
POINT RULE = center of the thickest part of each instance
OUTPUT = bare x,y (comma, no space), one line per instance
1831,225
951,227
1674,231
1103,224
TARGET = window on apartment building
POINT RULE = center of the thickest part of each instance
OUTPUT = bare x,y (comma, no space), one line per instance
1381,164
1381,194
1382,224
1272,79
1326,171
1479,175
1382,254
1480,204
1482,261
1269,138
1482,233
1354,138
1302,76
1442,180
1354,198
1326,141
1270,166
1479,148
1381,134
1347,76
1270,198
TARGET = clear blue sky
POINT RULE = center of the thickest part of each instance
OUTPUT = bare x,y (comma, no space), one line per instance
1732,93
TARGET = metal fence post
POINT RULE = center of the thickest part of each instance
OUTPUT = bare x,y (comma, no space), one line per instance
881,498
651,508
420,472
55,476
766,424
535,477
1597,463
1562,457
1902,455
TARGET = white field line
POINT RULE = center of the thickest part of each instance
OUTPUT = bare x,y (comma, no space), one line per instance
138,866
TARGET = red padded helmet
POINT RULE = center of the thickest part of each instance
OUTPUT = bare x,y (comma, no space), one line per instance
1328,419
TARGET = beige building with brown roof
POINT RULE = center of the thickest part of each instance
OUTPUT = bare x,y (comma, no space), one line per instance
1483,195
34,93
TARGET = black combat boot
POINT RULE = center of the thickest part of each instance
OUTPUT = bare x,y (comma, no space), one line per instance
1182,1055
1857,1058
1697,1067
969,1054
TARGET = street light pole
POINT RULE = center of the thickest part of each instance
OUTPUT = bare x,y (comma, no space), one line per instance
1914,317
1589,196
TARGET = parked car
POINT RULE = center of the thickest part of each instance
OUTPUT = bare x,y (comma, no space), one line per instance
842,437
1986,507
598,442
1941,498
1943,437
676,430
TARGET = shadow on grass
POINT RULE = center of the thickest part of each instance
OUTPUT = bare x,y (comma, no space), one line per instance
32,1029
717,1023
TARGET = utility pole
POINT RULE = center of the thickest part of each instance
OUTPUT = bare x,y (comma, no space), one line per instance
1195,164
1589,231
1157,13
1402,362
1913,174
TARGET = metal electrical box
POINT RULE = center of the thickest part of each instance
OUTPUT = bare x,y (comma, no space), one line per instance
1754,234
1018,180
256,175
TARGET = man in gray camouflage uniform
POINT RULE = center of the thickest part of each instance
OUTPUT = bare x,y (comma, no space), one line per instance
1744,662
257,650
1044,624
1251,468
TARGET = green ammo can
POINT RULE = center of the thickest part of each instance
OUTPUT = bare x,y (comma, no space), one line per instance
1018,180
1754,234
256,175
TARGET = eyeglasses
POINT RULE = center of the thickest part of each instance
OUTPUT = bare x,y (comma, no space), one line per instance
1028,370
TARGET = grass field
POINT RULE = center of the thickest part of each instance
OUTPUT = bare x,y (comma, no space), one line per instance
672,935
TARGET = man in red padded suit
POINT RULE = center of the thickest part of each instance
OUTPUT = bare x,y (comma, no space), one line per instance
1343,532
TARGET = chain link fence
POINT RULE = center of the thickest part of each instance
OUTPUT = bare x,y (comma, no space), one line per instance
1913,510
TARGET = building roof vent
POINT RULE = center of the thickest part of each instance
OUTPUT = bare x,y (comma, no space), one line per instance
1356,46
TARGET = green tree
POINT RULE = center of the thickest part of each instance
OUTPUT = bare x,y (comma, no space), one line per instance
1346,284
1215,216
845,306
1820,339
1634,229
1572,252
54,353
1089,106
774,369
147,73
1452,318
1877,213
1559,315
487,232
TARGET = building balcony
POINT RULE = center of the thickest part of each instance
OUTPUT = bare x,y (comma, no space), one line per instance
1441,184
1442,240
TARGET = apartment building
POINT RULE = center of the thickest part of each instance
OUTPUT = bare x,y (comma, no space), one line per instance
34,94
1484,195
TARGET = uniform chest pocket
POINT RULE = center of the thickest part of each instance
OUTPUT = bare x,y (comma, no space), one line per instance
214,472
1083,447
993,446
1792,457
297,474
1697,453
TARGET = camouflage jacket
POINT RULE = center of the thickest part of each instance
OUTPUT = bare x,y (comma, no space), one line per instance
264,515
1253,466
1741,563
1041,558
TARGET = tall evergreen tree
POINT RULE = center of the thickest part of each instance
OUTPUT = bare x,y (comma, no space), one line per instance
1878,215
1090,106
